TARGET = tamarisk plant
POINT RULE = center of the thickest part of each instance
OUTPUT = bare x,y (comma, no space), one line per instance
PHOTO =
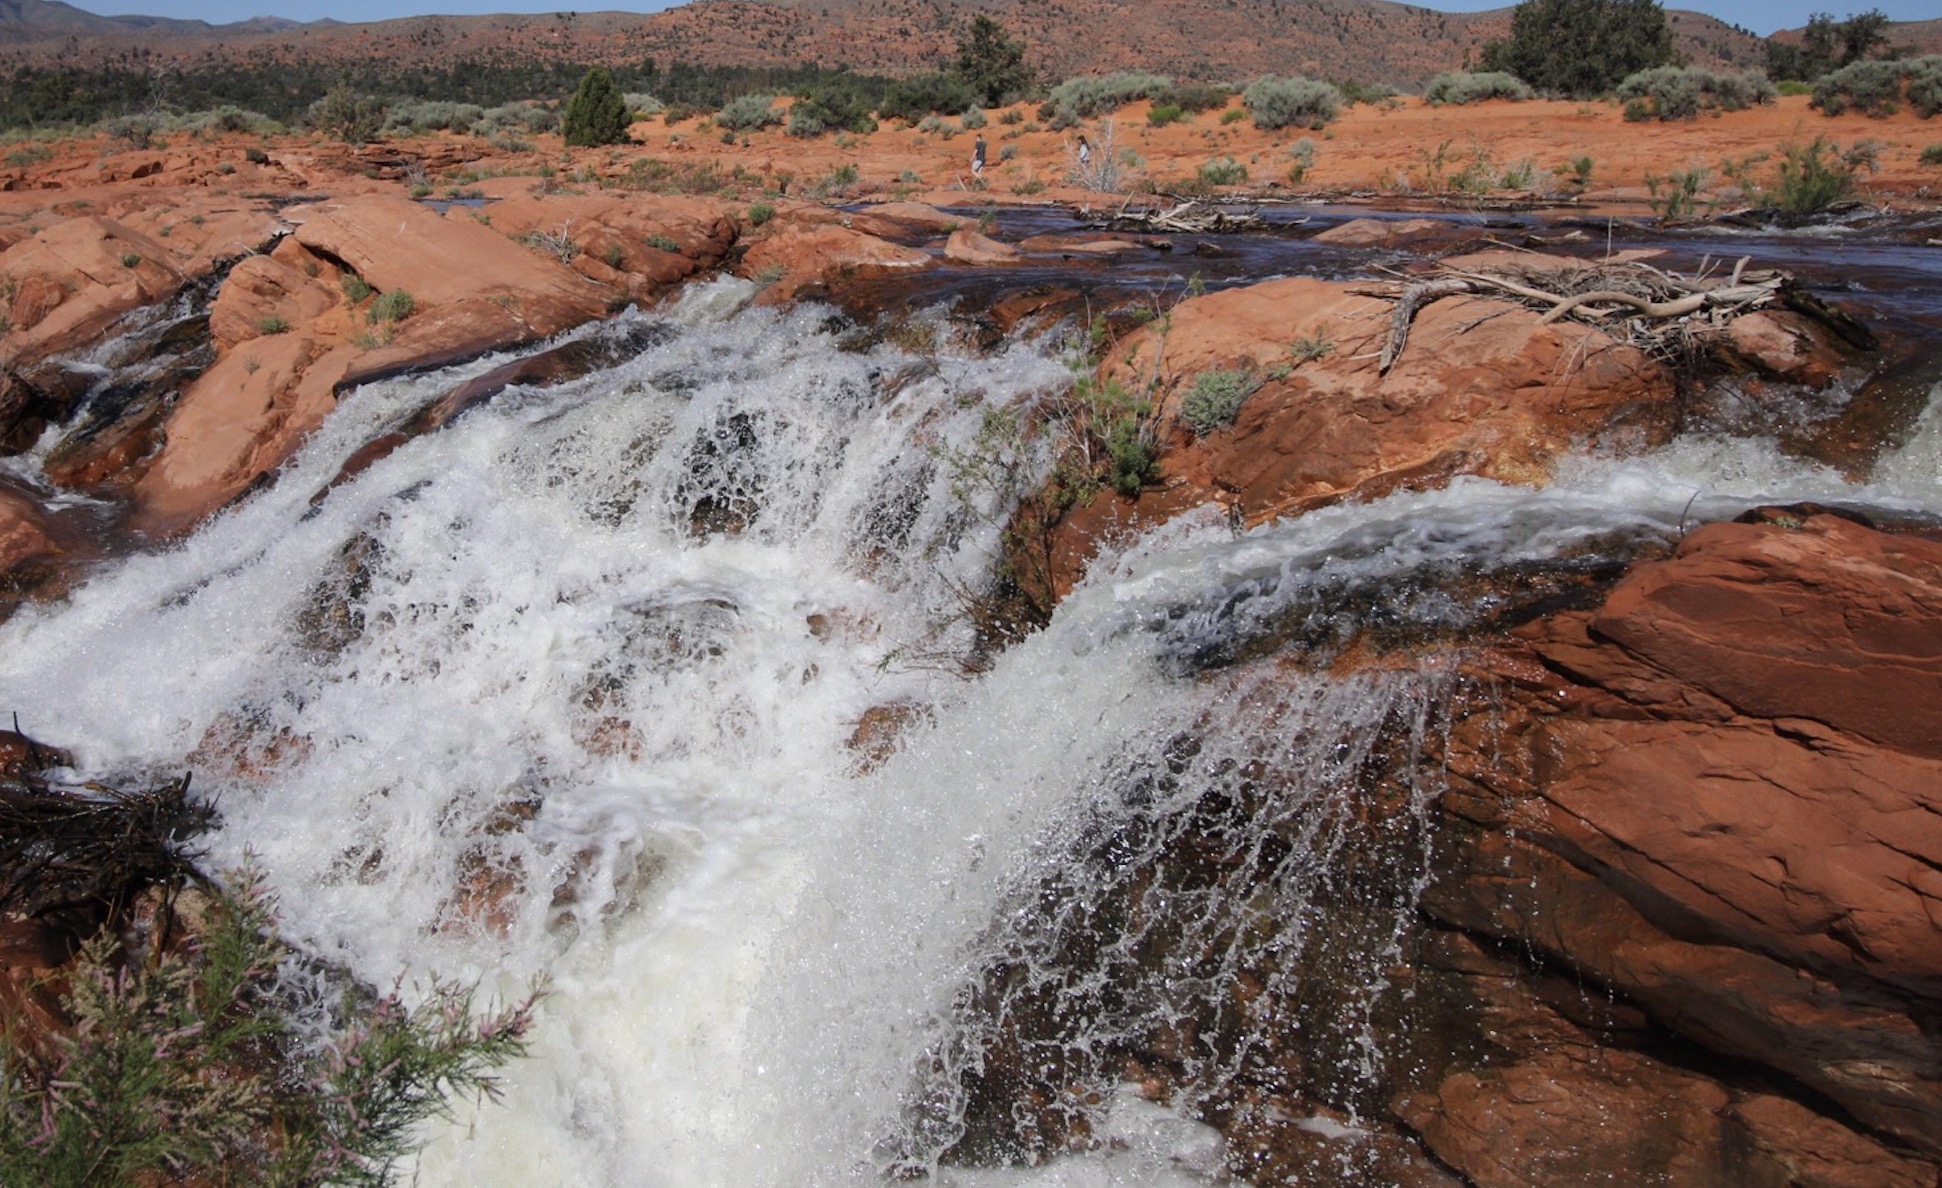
186,1067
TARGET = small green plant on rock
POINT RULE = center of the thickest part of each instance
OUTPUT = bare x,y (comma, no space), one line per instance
355,287
184,1067
393,306
1215,399
662,243
271,324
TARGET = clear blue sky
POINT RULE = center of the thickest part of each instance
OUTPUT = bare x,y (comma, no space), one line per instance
1761,16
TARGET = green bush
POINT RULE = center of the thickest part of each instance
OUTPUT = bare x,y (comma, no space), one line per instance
1215,399
1197,97
433,116
748,113
1871,88
1090,96
596,114
1932,156
1816,175
1162,114
393,306
1285,102
1223,171
760,213
973,119
187,1068
1582,48
1682,92
1460,87
1925,86
345,115
805,121
355,287
271,324
911,99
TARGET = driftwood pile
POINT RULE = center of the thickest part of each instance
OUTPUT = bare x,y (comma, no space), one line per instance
88,849
1192,217
1662,313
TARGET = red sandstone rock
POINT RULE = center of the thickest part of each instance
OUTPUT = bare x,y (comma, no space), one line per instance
1483,388
968,247
1382,232
798,257
1721,795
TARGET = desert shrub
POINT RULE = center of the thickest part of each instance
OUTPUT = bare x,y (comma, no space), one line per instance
271,324
1932,156
1232,115
748,113
805,121
525,117
188,1068
432,116
1302,154
394,305
1215,399
355,287
1162,114
1090,96
911,99
838,104
1826,44
230,119
32,154
1284,102
973,119
1581,48
641,105
1197,97
345,115
760,213
1460,87
1811,177
1223,171
596,114
1925,86
1871,88
662,243
1682,92
1355,91
134,131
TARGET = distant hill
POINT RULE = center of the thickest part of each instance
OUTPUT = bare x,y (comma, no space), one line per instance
1367,41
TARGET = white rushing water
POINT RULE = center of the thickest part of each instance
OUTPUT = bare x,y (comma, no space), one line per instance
501,710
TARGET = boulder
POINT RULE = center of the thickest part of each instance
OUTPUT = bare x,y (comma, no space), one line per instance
968,247
1483,388
1384,232
1719,795
798,258
639,243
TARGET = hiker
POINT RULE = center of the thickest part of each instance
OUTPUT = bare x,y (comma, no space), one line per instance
1085,151
977,160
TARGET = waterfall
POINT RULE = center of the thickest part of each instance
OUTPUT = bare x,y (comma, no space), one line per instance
566,693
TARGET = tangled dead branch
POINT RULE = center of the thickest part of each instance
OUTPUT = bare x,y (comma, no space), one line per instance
92,848
1662,313
1192,217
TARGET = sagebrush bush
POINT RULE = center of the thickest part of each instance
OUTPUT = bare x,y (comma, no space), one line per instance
805,121
1682,92
1215,399
1460,87
1223,171
346,115
748,113
433,116
1285,102
1871,88
1814,176
1925,86
1089,96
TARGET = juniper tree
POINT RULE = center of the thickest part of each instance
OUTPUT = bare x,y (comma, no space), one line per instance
1582,48
597,114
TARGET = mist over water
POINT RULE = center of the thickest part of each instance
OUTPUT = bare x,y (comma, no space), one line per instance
566,691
